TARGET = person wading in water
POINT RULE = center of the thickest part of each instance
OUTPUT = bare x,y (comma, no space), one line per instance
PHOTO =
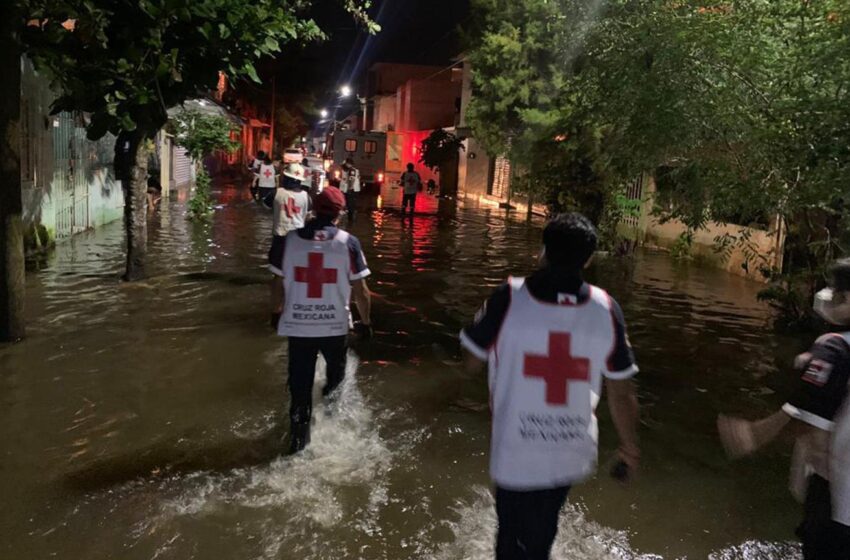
321,269
549,340
818,413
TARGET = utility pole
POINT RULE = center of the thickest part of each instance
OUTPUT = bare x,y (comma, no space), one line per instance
365,103
274,101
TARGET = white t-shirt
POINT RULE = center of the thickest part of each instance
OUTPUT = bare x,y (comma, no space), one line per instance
350,181
267,174
290,211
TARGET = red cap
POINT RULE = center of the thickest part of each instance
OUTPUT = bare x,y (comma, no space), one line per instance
330,202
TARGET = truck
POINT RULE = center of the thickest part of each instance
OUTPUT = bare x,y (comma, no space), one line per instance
367,149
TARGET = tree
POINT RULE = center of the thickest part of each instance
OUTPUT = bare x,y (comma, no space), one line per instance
440,151
743,106
11,208
202,136
125,63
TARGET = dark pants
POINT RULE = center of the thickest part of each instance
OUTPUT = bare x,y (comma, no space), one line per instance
411,199
303,353
351,203
266,196
823,538
528,522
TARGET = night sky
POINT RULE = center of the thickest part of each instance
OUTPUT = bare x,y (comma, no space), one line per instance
413,31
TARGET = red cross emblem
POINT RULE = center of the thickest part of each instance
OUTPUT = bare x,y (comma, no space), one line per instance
558,368
315,275
291,209
267,173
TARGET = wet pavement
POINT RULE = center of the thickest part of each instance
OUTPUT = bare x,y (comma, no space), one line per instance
145,420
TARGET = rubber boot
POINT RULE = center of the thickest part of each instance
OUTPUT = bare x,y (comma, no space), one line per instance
300,416
299,437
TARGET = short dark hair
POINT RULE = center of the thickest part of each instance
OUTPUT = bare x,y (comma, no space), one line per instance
570,240
410,167
839,273
261,155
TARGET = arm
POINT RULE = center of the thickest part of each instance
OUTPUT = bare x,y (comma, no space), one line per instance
277,295
821,391
623,403
363,300
479,338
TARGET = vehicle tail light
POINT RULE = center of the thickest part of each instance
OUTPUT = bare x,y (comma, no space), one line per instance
380,177
337,174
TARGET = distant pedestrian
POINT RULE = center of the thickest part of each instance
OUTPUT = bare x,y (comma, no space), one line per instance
254,168
432,186
411,182
266,180
818,413
321,270
549,340
350,186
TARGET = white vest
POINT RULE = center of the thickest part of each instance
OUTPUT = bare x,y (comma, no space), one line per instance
290,211
839,461
545,377
317,286
267,176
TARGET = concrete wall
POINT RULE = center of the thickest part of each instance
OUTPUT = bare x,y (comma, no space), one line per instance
68,183
384,113
386,78
763,247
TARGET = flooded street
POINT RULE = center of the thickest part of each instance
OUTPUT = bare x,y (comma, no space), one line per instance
146,421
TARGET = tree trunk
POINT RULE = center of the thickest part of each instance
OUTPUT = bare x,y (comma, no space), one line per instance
135,205
11,207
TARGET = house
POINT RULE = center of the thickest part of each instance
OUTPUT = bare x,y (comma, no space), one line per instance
483,178
409,102
67,181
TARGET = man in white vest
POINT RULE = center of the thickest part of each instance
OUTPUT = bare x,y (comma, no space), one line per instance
818,413
549,340
322,268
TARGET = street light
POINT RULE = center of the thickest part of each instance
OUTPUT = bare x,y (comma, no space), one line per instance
345,91
324,113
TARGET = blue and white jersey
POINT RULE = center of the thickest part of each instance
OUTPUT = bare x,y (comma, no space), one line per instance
547,357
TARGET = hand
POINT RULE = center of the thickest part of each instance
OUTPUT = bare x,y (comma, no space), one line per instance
736,435
628,463
274,319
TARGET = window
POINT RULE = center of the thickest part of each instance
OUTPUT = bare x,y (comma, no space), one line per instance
351,145
370,147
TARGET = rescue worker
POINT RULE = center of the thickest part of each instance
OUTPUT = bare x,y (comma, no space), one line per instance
290,209
350,186
266,181
817,413
321,269
411,183
549,340
254,168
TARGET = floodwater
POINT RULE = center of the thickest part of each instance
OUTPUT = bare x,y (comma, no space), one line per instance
146,421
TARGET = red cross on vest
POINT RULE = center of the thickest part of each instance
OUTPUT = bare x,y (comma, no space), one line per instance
267,173
558,368
315,275
291,209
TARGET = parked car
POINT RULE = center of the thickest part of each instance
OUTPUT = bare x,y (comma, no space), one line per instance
293,155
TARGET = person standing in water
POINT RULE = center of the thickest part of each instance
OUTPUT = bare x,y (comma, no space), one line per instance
266,180
549,340
411,184
321,270
350,186
818,414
